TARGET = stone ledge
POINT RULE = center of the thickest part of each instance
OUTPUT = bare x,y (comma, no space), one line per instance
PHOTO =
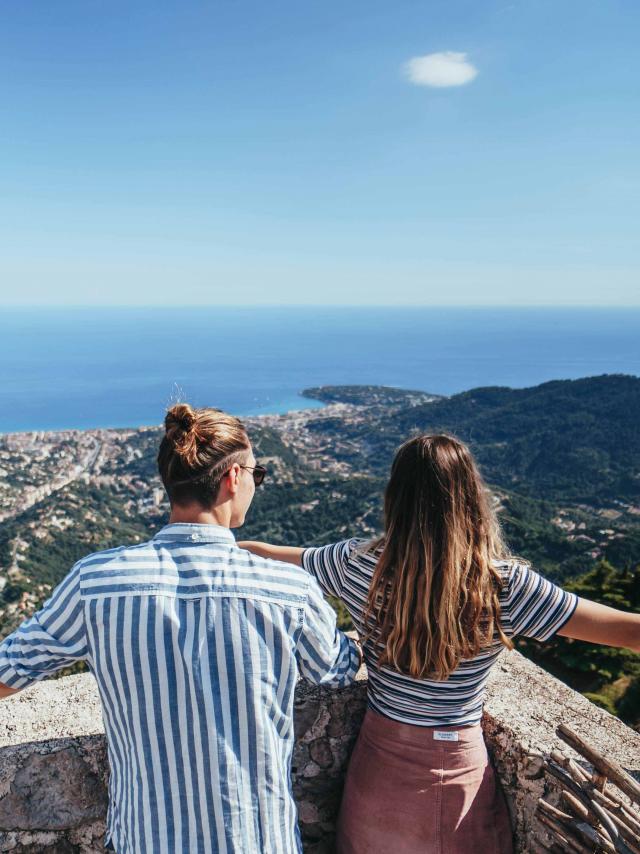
524,706
53,765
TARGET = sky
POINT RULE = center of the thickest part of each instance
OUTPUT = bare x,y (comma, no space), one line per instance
367,152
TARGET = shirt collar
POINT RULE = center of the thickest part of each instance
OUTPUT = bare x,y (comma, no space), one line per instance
193,532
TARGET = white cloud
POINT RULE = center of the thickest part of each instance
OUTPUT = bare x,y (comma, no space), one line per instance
448,68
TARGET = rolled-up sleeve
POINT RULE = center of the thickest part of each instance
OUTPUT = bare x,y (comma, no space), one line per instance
325,655
51,639
328,565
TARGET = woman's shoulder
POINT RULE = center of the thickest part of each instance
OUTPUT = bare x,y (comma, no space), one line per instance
509,564
510,571
364,550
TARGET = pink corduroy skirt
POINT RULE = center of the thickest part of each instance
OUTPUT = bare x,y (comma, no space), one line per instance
411,791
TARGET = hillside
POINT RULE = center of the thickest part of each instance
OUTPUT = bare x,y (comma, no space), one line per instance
576,440
562,460
563,457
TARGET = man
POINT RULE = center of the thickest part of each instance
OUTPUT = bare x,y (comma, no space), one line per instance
196,646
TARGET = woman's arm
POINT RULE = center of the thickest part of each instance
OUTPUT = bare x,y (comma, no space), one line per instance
288,554
597,623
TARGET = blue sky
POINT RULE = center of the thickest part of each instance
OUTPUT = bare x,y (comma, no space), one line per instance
308,153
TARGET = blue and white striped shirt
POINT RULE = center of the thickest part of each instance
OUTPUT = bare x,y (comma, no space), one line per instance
196,646
531,605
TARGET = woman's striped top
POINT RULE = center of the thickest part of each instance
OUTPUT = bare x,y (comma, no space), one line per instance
530,605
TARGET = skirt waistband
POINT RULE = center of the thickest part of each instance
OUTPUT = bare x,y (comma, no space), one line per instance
380,727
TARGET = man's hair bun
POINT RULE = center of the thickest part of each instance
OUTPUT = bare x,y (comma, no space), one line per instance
198,447
180,417
180,425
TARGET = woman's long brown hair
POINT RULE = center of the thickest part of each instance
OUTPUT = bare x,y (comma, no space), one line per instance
433,599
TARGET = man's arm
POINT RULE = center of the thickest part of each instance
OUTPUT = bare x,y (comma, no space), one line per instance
288,554
598,623
51,639
325,655
5,691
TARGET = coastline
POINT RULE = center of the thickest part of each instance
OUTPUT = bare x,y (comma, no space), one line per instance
302,403
113,369
287,407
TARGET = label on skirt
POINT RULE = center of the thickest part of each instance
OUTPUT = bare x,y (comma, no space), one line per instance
445,736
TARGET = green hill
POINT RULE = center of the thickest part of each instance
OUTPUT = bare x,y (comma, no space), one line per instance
571,439
562,460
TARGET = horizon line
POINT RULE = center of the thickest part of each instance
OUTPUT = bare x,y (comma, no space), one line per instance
48,306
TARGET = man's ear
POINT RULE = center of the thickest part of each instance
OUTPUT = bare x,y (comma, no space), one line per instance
232,479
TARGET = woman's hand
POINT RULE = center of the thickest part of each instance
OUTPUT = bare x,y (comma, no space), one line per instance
286,554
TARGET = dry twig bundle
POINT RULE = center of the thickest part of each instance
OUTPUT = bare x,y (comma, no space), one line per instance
594,819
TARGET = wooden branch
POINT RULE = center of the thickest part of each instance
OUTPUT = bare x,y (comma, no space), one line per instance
618,809
626,838
577,806
571,767
554,812
564,778
574,828
607,767
606,830
596,821
589,834
630,817
607,800
584,805
626,829
568,842
607,821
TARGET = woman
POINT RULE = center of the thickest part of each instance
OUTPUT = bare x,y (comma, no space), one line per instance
436,599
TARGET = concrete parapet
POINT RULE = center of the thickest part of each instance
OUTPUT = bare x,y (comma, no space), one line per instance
54,770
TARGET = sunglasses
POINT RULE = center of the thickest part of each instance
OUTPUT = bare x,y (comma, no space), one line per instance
259,473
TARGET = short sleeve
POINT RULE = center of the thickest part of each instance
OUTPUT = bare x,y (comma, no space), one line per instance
328,565
536,607
51,639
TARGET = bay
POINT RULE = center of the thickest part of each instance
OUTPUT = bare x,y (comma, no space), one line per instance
69,368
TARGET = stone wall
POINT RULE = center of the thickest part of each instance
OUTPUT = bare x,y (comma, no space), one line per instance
53,766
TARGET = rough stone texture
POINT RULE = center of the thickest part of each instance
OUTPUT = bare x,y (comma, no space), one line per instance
53,765
523,709
326,726
81,793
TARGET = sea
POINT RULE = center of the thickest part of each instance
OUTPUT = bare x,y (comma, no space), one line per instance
79,368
